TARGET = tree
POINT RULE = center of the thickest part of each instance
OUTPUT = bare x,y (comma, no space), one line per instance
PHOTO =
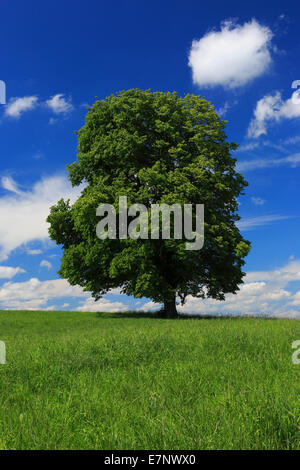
153,148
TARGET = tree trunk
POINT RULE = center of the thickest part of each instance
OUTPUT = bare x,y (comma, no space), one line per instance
169,310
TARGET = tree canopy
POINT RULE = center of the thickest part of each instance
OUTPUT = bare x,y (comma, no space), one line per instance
154,148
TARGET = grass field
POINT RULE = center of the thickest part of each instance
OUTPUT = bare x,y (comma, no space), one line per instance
100,381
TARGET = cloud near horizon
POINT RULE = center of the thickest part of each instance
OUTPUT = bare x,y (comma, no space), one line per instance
263,293
35,295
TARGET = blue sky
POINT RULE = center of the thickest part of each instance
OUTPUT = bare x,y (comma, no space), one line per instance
57,56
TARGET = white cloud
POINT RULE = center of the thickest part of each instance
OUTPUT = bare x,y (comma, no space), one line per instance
232,56
255,144
264,292
286,274
45,264
59,105
9,184
272,108
296,299
23,213
247,147
292,161
34,252
258,201
102,305
18,106
35,293
7,272
34,304
150,306
253,222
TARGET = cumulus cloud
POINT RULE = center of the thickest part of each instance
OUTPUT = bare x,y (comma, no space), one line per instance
23,213
59,105
45,264
263,293
150,306
296,300
272,108
7,272
18,106
283,275
292,161
102,305
35,294
232,56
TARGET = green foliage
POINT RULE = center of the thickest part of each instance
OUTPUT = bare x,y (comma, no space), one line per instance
153,148
86,381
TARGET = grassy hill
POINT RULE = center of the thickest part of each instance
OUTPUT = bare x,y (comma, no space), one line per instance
100,381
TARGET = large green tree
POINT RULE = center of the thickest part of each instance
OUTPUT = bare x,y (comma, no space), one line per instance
153,148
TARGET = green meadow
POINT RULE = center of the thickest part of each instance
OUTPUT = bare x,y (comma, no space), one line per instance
121,381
